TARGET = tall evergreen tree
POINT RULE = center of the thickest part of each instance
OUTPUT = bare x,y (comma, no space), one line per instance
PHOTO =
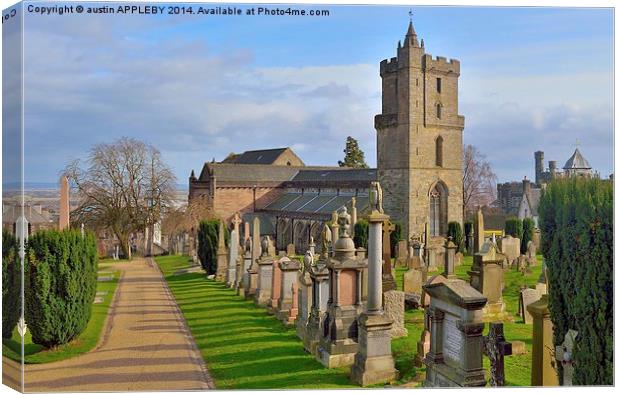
353,155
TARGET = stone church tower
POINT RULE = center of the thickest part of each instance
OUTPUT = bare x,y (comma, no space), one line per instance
420,139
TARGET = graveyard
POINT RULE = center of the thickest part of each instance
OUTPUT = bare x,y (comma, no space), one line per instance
235,335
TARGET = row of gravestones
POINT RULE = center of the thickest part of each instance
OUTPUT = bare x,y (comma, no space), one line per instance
328,297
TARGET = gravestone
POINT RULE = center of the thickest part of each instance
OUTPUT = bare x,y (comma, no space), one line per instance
289,269
458,259
394,308
413,281
424,344
536,238
496,348
222,258
265,273
478,230
388,277
232,258
449,257
511,248
455,355
244,284
319,275
487,276
338,344
291,315
276,282
531,254
564,357
401,253
426,298
290,250
527,297
543,363
305,294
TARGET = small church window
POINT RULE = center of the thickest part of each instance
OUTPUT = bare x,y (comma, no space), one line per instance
438,111
439,151
438,210
438,85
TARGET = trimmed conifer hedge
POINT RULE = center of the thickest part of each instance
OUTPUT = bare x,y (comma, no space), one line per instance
360,238
528,234
11,283
576,221
514,227
60,285
208,231
456,232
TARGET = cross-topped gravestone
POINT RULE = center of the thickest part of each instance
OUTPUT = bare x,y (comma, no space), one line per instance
236,221
496,348
564,356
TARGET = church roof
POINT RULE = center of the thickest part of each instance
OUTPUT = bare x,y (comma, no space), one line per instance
577,162
338,174
263,156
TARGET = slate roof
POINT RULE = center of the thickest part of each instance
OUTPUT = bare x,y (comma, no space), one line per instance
533,199
577,162
10,214
233,172
314,203
263,156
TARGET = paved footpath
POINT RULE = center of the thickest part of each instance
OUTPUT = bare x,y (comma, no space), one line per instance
146,344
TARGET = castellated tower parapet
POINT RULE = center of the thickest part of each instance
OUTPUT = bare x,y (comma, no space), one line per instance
420,138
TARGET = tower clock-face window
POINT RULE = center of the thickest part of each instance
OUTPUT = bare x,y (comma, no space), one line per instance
438,85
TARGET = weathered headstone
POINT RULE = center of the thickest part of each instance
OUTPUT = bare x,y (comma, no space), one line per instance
564,357
294,309
394,308
222,258
402,253
413,280
338,344
424,344
388,278
531,254
290,250
458,259
244,283
449,257
305,293
232,258
511,248
527,297
319,275
265,272
487,276
496,348
276,282
543,370
536,238
455,355
63,219
426,298
289,269
478,230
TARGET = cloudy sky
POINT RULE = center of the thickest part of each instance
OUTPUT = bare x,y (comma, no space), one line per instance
200,87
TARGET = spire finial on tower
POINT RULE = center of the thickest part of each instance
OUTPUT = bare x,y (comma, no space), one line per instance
411,39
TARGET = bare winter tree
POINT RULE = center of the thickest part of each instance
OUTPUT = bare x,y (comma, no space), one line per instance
123,186
186,219
479,180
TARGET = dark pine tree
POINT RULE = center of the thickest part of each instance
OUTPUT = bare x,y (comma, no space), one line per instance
353,155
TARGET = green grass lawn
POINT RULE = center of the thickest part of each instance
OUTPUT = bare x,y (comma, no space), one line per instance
243,346
85,342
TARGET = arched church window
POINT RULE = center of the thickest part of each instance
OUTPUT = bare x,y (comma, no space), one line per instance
439,151
438,210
